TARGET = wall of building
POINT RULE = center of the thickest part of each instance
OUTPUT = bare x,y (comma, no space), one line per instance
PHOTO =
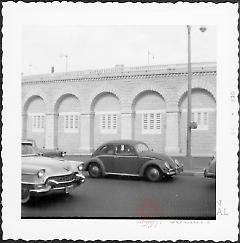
124,99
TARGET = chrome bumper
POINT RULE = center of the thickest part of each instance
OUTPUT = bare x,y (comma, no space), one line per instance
171,172
55,186
179,169
208,174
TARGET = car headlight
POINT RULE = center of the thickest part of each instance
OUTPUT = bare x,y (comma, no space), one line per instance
177,162
167,165
41,173
80,167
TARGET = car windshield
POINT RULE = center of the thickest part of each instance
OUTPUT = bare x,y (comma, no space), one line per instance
27,149
141,147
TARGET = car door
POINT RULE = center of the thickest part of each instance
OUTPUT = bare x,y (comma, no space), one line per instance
106,155
126,160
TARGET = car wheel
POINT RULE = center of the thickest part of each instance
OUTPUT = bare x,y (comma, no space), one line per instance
94,170
154,174
25,195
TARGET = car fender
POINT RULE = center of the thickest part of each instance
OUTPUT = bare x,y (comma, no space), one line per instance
156,162
94,160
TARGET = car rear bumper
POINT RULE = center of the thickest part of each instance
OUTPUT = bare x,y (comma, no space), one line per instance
52,187
209,174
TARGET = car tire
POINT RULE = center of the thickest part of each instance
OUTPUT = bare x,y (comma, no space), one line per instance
94,170
154,174
26,197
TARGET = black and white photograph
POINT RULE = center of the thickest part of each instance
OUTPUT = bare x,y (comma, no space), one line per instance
119,122
123,121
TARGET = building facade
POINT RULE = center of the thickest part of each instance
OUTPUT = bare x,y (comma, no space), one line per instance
78,111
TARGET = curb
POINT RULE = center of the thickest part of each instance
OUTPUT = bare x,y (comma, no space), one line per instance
193,173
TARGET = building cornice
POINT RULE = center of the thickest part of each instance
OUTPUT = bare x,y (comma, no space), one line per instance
147,72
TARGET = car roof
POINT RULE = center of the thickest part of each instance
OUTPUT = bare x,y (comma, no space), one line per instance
27,141
123,141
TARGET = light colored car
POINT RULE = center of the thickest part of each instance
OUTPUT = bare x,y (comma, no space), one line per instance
43,176
131,158
210,172
52,153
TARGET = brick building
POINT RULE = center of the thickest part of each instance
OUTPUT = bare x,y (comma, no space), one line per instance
77,111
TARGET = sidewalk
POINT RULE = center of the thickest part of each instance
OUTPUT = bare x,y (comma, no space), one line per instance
193,172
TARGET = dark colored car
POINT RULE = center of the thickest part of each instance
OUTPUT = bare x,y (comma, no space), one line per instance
210,172
132,158
44,176
52,153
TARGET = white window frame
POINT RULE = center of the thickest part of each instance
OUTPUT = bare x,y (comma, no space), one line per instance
108,122
195,112
199,114
151,126
67,118
38,122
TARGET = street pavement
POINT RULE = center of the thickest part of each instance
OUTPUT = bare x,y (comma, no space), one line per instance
114,196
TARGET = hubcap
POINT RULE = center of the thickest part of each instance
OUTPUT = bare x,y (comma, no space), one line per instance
153,174
95,171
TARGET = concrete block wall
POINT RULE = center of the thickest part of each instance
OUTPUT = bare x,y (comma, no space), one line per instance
67,141
155,141
203,141
100,138
127,95
35,106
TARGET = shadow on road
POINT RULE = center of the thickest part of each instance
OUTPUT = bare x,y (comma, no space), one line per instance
131,178
48,200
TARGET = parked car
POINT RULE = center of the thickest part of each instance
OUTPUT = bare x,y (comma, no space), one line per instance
130,157
43,176
52,153
210,172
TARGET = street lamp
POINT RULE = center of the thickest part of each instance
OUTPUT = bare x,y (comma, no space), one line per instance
189,108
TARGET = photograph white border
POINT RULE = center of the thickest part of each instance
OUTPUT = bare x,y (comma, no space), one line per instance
224,16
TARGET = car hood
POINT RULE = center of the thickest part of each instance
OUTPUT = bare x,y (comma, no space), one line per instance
159,156
33,164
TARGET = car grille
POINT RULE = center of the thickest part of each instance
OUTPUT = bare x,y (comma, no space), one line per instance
63,178
62,185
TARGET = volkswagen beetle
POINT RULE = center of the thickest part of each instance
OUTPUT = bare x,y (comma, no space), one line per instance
131,158
43,176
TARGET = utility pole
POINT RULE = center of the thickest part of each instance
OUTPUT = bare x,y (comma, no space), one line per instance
189,108
190,126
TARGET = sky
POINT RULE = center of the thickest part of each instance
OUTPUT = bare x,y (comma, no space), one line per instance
96,47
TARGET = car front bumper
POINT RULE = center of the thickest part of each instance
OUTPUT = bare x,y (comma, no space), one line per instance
171,172
53,186
179,169
209,174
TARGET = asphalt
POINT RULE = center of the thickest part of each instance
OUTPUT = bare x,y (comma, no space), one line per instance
182,197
